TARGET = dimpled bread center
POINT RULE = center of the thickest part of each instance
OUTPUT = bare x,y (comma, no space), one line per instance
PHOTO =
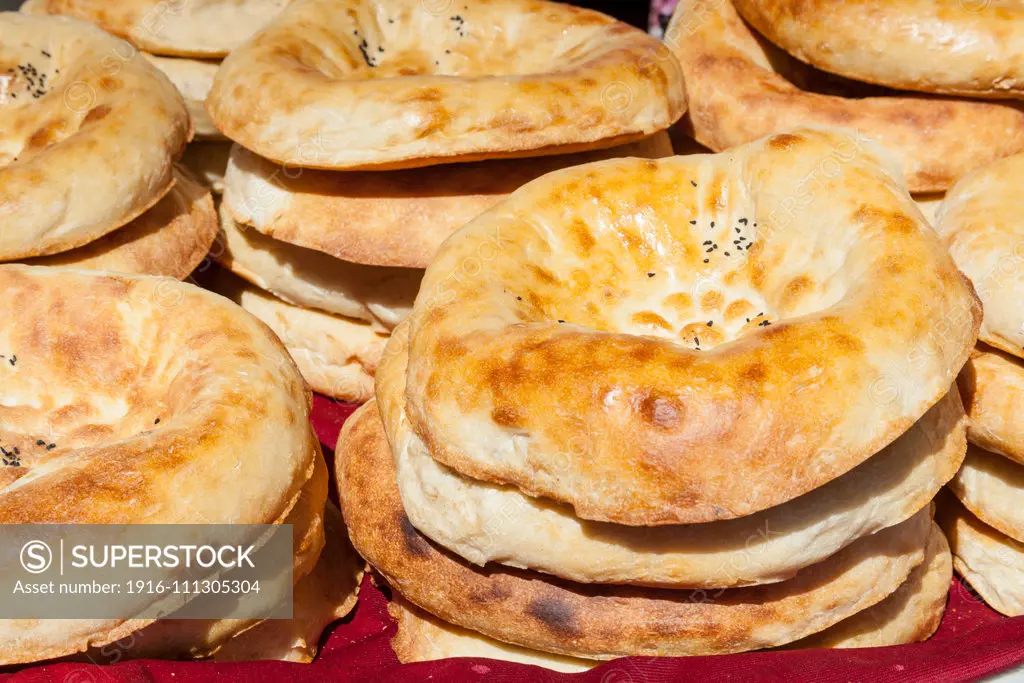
442,37
678,254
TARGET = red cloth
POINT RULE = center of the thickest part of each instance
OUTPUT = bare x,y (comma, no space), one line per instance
972,642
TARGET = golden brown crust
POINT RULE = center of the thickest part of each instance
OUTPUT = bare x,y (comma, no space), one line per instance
483,523
379,295
991,487
974,49
981,223
909,615
987,559
94,103
197,28
737,93
422,637
116,372
394,218
555,348
535,612
351,90
337,356
172,638
992,386
170,240
323,597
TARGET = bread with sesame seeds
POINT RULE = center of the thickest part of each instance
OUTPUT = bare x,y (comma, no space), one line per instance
601,622
675,391
393,218
740,88
90,132
117,372
205,29
170,240
347,84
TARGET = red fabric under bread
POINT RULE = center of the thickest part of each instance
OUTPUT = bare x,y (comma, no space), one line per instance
972,642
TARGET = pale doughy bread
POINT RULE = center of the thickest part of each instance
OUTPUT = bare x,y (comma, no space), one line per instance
990,561
525,609
347,84
193,78
172,638
337,356
740,89
393,218
171,239
981,223
992,386
992,488
208,161
594,322
117,373
189,28
307,278
909,615
934,46
89,132
483,522
326,595
422,637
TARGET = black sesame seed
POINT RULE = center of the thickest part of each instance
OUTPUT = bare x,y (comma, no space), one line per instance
519,298
650,274
13,360
726,253
40,442
707,260
693,222
707,242
737,229
712,224
711,323
51,446
561,321
156,421
694,183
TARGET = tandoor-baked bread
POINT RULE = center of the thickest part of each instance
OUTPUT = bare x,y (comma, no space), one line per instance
186,28
573,340
982,224
484,522
970,47
159,402
992,385
89,132
378,295
172,638
393,218
909,615
346,84
990,561
740,89
527,609
193,78
338,356
171,239
992,488
422,637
